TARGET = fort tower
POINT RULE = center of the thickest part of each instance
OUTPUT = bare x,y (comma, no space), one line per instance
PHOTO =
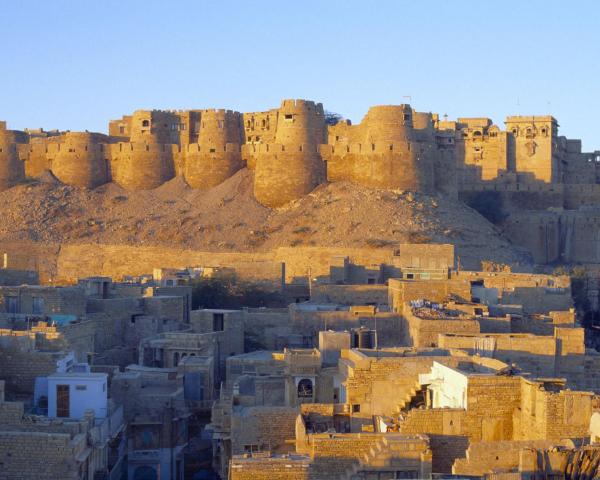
292,166
147,161
80,159
11,167
383,151
217,154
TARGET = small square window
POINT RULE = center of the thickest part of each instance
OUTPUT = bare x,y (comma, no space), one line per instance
250,448
356,408
218,322
37,306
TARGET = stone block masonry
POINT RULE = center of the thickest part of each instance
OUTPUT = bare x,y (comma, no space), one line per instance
293,150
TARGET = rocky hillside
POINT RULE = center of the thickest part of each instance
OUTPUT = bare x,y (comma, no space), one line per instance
228,218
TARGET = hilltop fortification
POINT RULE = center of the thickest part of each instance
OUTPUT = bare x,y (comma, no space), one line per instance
292,150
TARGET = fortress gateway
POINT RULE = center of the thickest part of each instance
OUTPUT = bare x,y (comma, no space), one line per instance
294,148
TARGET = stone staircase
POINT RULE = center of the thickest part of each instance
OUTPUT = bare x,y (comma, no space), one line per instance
372,458
410,397
383,455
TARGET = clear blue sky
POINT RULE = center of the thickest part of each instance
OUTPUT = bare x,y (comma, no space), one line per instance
76,64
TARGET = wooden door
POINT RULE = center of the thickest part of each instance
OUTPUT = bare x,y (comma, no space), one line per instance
62,401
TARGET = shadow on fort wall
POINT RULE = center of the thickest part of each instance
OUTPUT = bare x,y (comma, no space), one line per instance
509,192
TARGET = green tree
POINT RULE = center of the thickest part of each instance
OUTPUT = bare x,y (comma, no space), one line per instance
230,292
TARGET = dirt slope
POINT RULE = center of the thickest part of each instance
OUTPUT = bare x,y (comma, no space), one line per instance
228,218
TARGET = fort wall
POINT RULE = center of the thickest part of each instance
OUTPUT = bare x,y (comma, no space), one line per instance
527,165
286,174
292,166
35,156
383,150
569,236
142,166
11,168
66,263
80,159
217,155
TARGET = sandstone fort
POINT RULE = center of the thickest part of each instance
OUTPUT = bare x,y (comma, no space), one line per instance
294,148
348,315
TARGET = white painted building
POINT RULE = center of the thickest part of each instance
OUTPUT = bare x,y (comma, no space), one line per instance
447,387
71,394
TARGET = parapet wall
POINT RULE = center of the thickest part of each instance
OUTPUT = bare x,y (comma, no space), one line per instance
66,263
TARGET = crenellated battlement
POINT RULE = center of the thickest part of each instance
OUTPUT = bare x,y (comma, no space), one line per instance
260,148
301,105
219,112
384,150
228,147
154,147
371,148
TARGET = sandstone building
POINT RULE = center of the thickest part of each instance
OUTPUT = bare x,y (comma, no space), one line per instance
398,366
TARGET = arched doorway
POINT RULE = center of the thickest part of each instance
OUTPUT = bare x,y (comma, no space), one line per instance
305,388
145,473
